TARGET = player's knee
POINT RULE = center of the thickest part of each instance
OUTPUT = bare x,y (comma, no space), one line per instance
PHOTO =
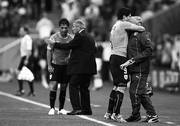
53,86
121,89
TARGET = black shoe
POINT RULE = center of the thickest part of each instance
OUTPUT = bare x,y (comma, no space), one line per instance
86,113
20,93
75,112
31,94
133,118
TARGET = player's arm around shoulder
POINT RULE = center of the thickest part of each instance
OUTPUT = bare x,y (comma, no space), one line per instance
133,27
133,24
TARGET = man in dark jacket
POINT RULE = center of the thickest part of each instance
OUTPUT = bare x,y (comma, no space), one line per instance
139,52
81,68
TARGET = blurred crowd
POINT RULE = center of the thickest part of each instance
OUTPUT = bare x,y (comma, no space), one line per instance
167,53
98,13
15,13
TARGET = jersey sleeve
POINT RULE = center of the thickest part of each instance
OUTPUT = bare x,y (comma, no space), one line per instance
53,40
29,43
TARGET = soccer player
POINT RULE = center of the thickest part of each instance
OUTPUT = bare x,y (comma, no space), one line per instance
139,53
119,41
26,63
57,65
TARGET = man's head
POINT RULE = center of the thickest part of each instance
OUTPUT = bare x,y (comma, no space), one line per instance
123,13
63,26
78,25
23,30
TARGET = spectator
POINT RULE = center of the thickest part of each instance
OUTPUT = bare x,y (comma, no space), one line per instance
97,79
70,10
44,27
166,58
5,19
91,14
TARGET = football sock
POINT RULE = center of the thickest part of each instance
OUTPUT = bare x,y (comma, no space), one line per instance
20,82
31,87
112,101
118,103
62,96
52,98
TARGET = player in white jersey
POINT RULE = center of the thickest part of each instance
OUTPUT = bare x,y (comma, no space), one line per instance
119,41
26,65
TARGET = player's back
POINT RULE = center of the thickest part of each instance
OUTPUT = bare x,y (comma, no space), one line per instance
119,38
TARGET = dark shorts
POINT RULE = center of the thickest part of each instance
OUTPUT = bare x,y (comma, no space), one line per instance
59,74
120,77
29,65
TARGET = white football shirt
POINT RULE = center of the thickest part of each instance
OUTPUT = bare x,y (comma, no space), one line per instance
25,45
119,37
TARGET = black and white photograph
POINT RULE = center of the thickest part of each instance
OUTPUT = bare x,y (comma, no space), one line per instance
89,63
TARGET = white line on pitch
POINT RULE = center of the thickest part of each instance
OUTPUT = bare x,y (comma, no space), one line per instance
47,106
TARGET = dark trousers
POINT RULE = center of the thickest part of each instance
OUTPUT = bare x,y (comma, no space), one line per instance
138,95
79,92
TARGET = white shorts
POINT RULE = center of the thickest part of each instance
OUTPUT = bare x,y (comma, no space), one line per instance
25,74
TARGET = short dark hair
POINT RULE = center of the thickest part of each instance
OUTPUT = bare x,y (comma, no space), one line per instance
25,28
64,21
123,12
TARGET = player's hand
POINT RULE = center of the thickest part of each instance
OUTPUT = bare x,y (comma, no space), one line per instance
127,63
124,65
50,69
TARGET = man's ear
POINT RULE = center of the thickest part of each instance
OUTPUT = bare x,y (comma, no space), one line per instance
124,17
